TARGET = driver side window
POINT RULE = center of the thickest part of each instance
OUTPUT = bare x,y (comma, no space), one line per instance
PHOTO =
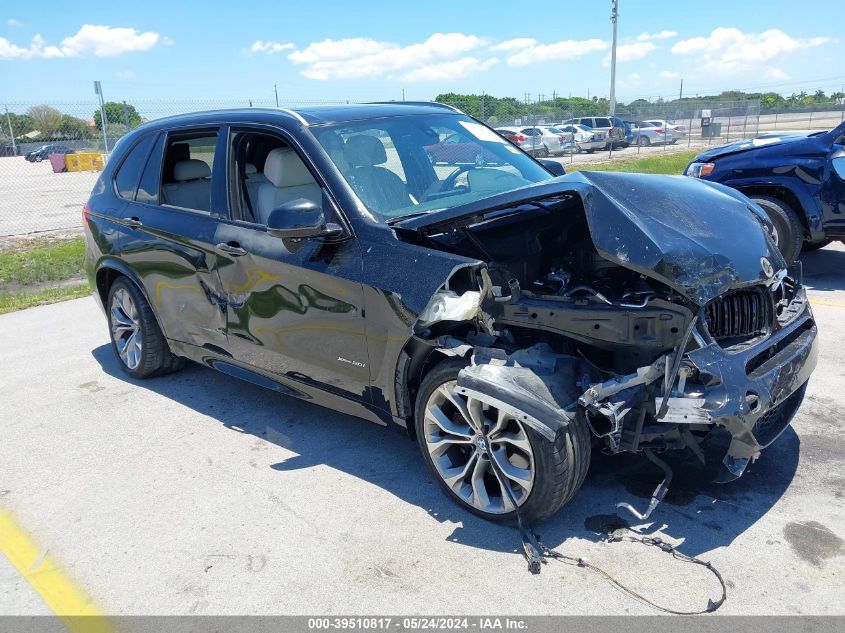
266,172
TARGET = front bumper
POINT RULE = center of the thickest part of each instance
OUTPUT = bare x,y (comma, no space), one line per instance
754,393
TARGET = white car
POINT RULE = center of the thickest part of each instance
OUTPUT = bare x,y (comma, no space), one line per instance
586,138
679,130
545,142
648,133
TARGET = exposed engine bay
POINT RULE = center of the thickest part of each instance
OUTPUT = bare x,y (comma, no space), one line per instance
646,327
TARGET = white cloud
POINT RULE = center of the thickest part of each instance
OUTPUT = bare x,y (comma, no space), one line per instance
634,77
14,22
106,41
662,35
563,50
441,56
100,41
514,44
451,70
669,74
728,50
775,73
126,75
630,52
269,47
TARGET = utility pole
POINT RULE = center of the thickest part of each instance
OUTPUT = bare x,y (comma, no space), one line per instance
11,132
614,14
98,90
276,90
403,94
681,92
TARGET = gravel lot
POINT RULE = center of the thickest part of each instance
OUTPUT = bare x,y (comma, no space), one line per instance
197,493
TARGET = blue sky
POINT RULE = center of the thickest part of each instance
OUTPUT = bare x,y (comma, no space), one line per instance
363,50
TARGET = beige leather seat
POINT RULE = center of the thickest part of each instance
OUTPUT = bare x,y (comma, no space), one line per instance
288,179
380,189
254,179
192,189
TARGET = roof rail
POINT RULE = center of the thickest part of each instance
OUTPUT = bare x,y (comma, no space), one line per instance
435,104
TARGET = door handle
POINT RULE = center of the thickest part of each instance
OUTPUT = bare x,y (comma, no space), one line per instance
134,222
231,248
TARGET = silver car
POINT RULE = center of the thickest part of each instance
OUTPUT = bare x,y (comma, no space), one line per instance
522,141
646,133
586,139
676,129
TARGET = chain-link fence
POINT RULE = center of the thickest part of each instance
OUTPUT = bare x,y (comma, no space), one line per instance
43,188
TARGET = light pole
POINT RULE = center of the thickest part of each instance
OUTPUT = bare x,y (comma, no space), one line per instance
614,14
98,90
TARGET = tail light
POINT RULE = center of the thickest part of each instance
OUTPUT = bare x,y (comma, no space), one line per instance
86,213
658,131
520,138
561,138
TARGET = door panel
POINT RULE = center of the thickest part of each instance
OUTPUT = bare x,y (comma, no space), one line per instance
833,193
173,254
296,308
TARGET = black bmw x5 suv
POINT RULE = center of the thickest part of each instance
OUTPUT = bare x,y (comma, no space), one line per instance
508,317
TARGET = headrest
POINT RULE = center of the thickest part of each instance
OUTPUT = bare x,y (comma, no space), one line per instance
364,151
191,169
249,168
285,169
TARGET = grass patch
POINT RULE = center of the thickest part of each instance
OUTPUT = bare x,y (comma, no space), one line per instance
41,261
11,301
35,272
652,164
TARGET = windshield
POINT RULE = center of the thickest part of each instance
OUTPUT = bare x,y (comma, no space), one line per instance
408,165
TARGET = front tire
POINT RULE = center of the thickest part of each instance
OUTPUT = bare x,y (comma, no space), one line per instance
137,340
542,475
788,234
643,141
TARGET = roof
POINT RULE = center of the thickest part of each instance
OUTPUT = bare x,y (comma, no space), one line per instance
310,115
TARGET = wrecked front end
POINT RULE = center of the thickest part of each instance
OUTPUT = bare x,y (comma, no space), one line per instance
656,311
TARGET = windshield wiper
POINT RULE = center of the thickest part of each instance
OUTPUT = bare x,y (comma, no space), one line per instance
399,218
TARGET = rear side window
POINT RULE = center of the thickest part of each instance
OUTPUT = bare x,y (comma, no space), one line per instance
186,172
149,185
602,123
127,176
587,122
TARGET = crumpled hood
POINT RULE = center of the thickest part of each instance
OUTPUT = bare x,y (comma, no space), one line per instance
699,238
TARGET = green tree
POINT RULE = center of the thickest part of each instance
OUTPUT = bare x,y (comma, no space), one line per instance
74,128
46,119
122,113
21,124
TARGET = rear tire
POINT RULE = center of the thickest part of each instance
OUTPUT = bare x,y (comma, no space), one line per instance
559,467
137,339
789,234
643,141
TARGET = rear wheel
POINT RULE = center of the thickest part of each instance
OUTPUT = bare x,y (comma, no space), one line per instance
788,233
137,340
643,141
541,475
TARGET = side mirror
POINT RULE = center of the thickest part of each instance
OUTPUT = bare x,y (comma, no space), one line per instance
300,219
552,166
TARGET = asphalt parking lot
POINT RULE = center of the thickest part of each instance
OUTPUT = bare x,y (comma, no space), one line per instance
199,494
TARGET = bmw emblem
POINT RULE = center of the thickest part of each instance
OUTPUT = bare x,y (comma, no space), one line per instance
767,267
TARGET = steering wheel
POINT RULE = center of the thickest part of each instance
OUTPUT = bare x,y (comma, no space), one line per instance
449,181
